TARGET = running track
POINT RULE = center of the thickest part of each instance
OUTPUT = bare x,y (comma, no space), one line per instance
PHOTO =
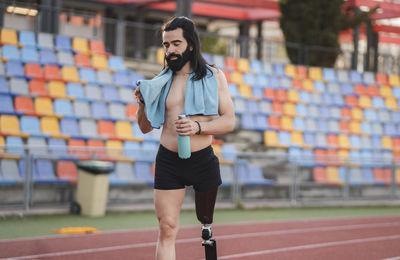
341,238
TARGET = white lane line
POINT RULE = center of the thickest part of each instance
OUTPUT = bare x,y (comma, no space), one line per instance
393,258
311,246
223,237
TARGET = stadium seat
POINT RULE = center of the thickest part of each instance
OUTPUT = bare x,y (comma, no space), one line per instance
82,109
82,60
116,63
51,72
27,38
19,86
355,77
80,45
70,73
75,90
10,170
114,148
29,54
37,87
384,115
15,69
248,121
332,175
377,128
8,36
117,111
243,65
329,74
50,126
320,156
2,68
37,146
4,86
45,40
57,146
125,95
333,126
43,172
277,108
315,73
6,104
77,147
30,125
319,175
14,145
106,129
390,103
93,92
88,128
355,127
124,172
143,172
99,110
33,70
57,89
24,105
47,57
63,43
104,77
65,58
131,110
381,79
110,93
99,61
10,52
87,75
394,80
342,76
344,142
67,170
9,125
69,127
123,130
96,46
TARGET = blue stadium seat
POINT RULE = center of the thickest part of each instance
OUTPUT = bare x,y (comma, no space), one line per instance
316,98
294,154
110,93
121,78
29,54
226,172
355,141
274,82
369,78
240,105
319,86
43,172
148,151
99,110
256,66
370,114
261,122
278,69
377,128
378,102
320,140
329,74
284,138
124,173
27,38
368,176
334,88
384,115
376,142
31,125
322,125
249,79
248,121
267,68
69,127
10,171
311,125
327,98
299,124
304,96
132,149
262,81
366,142
265,107
255,176
390,129
47,57
396,93
87,75
233,90
252,106
228,152
63,107
342,75
5,180
307,157
63,43
338,100
116,63
395,116
335,112
4,85
134,77
324,112
10,52
14,69
143,172
57,147
75,90
14,145
366,128
355,157
347,89
257,92
6,105
355,77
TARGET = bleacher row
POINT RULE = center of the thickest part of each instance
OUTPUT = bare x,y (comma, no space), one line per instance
326,119
68,99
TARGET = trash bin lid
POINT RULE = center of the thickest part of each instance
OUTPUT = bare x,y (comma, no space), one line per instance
95,167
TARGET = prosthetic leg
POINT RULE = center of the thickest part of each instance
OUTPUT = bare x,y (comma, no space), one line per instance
205,203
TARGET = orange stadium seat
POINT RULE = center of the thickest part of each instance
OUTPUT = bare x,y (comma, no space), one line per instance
274,122
77,147
96,46
230,63
37,87
301,72
82,60
67,170
332,141
269,93
359,89
33,70
381,78
346,113
131,110
281,95
51,72
319,175
98,145
372,91
24,105
277,108
351,100
106,128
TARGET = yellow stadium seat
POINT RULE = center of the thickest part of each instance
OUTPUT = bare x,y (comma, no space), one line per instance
390,102
290,70
289,109
357,113
286,123
293,96
344,142
160,56
308,85
364,102
80,45
2,143
332,175
9,36
236,77
398,176
10,125
57,89
245,90
217,150
385,91
394,80
297,138
114,147
355,127
315,73
343,156
70,73
44,106
243,65
50,126
387,142
123,130
99,61
271,139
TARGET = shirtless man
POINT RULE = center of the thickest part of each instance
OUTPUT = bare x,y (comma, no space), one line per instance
183,56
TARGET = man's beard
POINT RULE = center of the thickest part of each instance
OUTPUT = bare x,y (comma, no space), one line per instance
176,65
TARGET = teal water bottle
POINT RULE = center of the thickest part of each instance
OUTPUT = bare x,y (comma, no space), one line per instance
183,143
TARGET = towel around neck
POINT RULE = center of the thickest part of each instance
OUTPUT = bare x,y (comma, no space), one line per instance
201,96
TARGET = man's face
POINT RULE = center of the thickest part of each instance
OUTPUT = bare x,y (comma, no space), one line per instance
177,50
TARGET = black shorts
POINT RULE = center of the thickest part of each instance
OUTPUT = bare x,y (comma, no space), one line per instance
200,170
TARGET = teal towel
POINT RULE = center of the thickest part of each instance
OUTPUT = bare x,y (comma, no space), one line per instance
201,96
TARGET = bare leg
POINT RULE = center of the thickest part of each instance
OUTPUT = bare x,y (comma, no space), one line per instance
168,204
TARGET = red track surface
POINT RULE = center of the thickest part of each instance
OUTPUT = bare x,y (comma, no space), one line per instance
345,238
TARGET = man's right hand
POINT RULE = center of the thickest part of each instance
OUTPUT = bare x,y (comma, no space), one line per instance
138,96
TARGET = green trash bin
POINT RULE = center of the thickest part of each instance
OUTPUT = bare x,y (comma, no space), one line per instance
92,187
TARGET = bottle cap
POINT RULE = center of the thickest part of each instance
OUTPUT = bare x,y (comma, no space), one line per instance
181,116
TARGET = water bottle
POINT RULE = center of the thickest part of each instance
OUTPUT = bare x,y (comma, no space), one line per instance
183,143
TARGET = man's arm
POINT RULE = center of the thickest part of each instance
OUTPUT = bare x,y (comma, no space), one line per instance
225,123
144,124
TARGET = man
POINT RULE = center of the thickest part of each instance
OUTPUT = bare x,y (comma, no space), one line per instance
188,85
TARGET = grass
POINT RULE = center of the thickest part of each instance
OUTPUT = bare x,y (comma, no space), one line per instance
41,225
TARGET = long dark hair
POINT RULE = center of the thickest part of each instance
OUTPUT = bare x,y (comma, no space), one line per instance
198,63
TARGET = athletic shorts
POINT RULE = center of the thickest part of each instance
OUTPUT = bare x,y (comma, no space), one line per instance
200,170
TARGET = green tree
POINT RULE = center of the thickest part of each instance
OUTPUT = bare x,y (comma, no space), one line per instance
311,29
